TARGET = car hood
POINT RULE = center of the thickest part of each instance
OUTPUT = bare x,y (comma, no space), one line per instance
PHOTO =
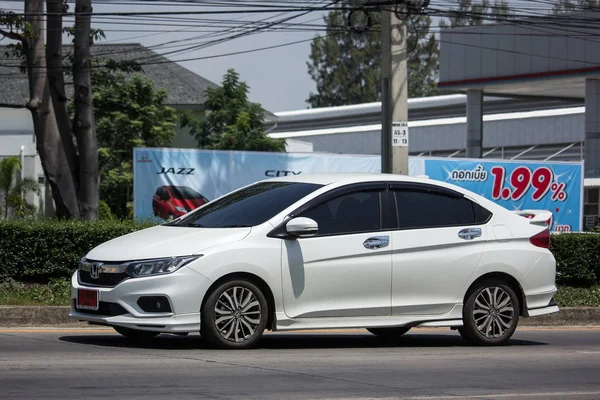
165,241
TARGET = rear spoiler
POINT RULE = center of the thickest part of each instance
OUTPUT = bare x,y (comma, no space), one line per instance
537,217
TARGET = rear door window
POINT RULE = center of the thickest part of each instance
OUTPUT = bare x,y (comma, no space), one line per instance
425,209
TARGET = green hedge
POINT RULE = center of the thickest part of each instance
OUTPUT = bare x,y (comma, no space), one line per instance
577,258
39,250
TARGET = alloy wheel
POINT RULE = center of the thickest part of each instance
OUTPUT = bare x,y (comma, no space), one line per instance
237,314
493,312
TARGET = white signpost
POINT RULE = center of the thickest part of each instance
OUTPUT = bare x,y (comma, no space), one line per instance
400,134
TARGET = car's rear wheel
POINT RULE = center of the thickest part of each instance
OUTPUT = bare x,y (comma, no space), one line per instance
234,315
490,314
135,334
389,333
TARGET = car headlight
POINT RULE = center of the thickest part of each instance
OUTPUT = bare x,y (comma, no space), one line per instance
160,266
180,209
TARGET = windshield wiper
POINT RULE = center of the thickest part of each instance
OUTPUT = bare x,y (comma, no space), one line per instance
236,226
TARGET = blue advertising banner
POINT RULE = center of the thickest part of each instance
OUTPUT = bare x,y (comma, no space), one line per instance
520,185
170,182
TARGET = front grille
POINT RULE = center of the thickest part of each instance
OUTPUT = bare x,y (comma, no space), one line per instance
106,280
104,308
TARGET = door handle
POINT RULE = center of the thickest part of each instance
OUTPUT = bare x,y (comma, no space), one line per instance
376,242
469,233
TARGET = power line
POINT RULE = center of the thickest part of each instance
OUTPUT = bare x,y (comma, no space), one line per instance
251,27
246,32
167,61
268,9
237,35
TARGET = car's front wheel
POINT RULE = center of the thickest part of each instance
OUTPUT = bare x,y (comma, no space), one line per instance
234,315
389,333
135,334
490,314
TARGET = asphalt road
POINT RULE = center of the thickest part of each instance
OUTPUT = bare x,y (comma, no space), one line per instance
425,363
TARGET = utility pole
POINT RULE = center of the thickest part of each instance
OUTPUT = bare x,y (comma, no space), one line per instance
394,107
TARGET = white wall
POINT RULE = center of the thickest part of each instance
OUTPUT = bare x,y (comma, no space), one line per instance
297,146
16,130
16,135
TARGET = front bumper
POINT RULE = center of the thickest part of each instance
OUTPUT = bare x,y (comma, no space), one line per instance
184,290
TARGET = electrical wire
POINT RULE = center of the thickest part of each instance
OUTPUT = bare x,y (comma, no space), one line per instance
530,18
147,60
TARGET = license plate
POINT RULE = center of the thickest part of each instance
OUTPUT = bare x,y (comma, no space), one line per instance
87,299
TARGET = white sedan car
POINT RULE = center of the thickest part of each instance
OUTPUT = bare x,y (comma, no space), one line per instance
375,251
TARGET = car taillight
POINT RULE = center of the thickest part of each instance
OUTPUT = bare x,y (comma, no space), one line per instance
542,239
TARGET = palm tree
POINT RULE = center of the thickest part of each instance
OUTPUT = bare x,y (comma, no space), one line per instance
13,192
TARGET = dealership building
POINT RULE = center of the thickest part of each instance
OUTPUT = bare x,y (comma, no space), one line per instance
526,91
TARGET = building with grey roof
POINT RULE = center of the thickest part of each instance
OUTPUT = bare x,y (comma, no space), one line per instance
185,88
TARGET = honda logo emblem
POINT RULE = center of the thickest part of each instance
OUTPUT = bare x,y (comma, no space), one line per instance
95,270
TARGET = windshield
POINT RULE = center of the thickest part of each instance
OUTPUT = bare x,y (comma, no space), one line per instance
183,192
251,206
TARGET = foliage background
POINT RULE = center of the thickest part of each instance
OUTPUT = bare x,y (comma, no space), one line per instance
38,250
47,252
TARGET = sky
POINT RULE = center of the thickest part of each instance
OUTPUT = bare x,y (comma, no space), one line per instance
278,78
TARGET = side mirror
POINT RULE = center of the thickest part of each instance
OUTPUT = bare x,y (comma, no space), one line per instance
302,227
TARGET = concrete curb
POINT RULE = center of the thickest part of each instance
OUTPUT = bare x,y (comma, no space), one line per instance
34,316
567,316
21,316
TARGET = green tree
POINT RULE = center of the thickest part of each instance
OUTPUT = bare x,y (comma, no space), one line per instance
233,122
129,112
470,14
71,170
567,6
346,65
13,190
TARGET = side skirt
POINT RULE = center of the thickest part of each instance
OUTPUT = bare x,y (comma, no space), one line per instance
453,318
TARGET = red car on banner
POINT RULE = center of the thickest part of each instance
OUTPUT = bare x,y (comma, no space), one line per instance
171,202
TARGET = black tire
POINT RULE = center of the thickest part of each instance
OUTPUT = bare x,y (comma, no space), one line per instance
248,330
135,334
496,325
389,333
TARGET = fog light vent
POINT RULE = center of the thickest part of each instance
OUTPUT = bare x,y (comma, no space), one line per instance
154,304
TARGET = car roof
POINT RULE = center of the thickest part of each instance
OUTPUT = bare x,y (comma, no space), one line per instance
348,177
345,178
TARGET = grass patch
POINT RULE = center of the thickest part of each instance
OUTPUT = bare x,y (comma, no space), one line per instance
55,293
578,297
58,293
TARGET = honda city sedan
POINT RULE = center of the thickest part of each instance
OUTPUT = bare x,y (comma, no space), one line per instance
376,251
